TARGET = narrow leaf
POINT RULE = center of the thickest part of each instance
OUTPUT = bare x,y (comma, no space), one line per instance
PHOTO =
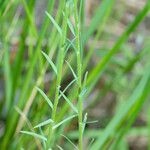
70,44
85,79
44,123
91,142
67,87
124,110
69,102
54,22
59,147
50,62
45,97
70,141
75,76
97,71
84,122
65,120
70,26
34,135
83,92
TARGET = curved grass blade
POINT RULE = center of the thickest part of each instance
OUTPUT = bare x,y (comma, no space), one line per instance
34,135
70,141
124,111
44,123
70,44
45,97
75,76
84,122
70,26
50,62
54,22
67,87
69,102
59,147
64,121
96,72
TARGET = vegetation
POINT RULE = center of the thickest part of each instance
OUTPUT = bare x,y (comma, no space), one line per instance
58,70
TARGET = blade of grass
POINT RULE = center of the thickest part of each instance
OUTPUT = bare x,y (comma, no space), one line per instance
123,111
12,121
34,134
44,123
54,23
69,102
64,121
74,75
45,97
132,116
70,141
8,79
67,87
79,71
96,72
59,76
50,62
59,147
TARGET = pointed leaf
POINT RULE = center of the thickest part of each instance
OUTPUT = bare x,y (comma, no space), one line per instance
83,92
65,120
70,26
34,135
70,44
85,79
59,147
54,22
91,122
67,87
50,62
84,122
75,76
69,102
44,123
70,141
45,97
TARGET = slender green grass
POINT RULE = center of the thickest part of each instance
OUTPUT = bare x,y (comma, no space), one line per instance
96,72
47,83
131,106
79,72
13,121
59,71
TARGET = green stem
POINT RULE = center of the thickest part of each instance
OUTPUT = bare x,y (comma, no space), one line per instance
59,78
79,73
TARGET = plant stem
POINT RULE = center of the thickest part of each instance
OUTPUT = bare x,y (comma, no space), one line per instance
79,72
59,78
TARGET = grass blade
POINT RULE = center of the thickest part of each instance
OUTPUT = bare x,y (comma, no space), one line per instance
75,76
64,121
59,147
67,87
69,102
71,27
50,62
34,135
96,72
84,122
70,141
45,97
123,111
44,123
54,23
